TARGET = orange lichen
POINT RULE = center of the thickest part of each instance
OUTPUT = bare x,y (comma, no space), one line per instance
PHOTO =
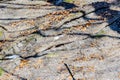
97,56
118,74
91,69
23,63
84,58
38,63
93,44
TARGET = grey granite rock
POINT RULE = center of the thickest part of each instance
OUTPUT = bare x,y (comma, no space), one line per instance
91,53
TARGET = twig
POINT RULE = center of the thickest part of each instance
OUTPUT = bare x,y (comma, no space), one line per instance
69,71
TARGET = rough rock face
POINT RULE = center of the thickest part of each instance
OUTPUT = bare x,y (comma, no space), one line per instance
42,41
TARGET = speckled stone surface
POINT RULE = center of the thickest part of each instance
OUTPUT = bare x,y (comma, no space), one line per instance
91,51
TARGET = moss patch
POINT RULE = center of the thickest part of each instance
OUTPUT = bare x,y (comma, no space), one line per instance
1,71
52,55
1,33
69,1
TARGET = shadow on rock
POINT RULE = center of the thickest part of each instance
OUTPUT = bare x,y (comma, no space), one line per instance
108,14
66,5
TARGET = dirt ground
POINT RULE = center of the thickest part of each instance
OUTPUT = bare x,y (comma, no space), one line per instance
79,40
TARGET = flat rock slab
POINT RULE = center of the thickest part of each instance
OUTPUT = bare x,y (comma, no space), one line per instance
88,45
12,11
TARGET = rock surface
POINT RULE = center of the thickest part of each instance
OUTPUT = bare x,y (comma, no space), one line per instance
87,39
